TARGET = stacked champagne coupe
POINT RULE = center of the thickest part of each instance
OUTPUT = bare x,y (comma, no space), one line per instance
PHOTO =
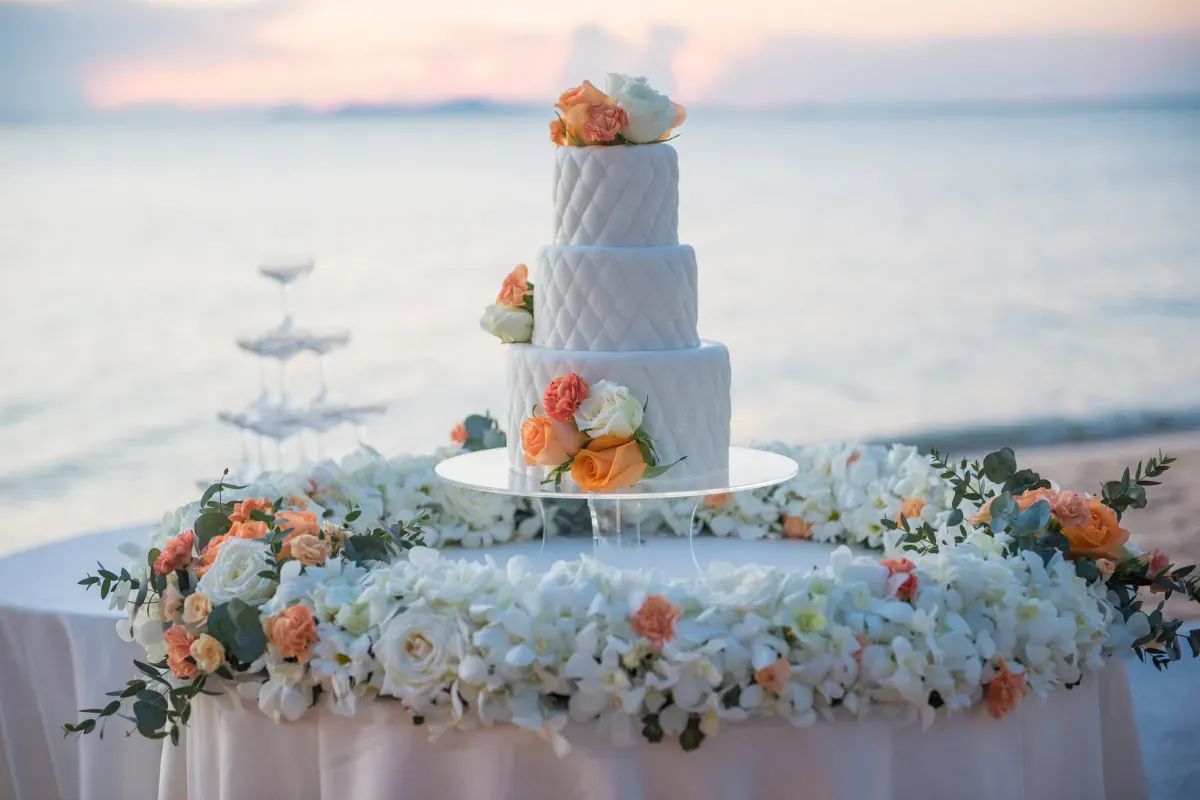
277,416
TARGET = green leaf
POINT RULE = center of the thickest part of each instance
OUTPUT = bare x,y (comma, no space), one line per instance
651,729
209,525
692,736
150,716
955,518
654,472
249,644
353,515
1000,465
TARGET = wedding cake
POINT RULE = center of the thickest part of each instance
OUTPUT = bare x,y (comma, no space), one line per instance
610,370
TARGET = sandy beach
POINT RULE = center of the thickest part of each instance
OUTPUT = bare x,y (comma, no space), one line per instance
1171,519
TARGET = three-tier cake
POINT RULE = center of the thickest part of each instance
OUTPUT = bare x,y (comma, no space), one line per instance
614,304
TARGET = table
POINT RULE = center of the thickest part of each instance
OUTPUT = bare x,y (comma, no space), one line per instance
59,652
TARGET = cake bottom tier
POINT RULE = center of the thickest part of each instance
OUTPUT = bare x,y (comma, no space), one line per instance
686,394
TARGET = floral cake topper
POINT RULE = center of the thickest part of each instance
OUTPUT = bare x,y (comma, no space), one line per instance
629,111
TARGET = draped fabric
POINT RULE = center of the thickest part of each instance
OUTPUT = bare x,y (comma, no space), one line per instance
1079,743
59,653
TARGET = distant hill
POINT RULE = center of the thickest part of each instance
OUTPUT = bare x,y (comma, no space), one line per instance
393,110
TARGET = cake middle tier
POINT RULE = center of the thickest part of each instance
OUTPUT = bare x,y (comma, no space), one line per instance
686,394
615,298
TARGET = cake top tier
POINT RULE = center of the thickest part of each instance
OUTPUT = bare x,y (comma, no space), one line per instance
619,196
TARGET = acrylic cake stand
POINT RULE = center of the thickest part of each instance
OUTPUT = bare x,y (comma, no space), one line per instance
616,533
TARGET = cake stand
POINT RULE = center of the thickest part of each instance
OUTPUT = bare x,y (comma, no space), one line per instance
616,529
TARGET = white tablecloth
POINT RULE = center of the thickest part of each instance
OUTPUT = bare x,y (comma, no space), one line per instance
59,652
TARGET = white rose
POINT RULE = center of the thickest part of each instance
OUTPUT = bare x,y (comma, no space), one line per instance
651,115
234,573
509,324
610,409
477,509
419,651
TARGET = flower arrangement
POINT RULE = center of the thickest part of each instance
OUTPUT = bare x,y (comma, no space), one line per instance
630,111
295,593
510,318
593,433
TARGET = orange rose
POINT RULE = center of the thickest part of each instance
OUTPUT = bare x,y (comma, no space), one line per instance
853,457
251,529
308,550
574,120
547,443
1100,536
176,554
241,511
910,508
179,648
1004,691
772,678
585,94
558,133
292,632
717,500
459,434
515,287
298,522
796,527
655,620
608,463
208,555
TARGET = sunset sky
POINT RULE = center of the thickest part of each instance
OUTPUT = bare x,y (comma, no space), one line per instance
103,54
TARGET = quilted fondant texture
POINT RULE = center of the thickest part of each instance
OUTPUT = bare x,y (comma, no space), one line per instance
615,298
625,196
687,413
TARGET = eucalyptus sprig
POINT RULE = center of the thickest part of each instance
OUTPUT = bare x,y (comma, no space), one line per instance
1130,491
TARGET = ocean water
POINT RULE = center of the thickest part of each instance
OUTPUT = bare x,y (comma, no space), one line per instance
875,276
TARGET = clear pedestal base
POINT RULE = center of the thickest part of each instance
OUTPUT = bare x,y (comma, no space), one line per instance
616,518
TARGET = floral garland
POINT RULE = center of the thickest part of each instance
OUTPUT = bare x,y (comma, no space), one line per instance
1012,586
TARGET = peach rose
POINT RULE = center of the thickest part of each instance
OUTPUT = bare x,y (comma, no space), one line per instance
583,94
1025,501
1100,536
910,508
179,648
298,522
171,602
241,511
547,443
515,288
603,124
208,653
563,396
717,500
458,434
292,632
574,120
655,620
853,457
772,678
1106,567
1070,509
196,609
608,463
902,566
558,132
796,527
251,529
208,555
176,553
1004,691
309,550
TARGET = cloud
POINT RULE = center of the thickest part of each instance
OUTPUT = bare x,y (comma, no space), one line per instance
592,52
797,69
47,49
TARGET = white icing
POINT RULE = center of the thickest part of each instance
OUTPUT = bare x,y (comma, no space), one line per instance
625,196
615,298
